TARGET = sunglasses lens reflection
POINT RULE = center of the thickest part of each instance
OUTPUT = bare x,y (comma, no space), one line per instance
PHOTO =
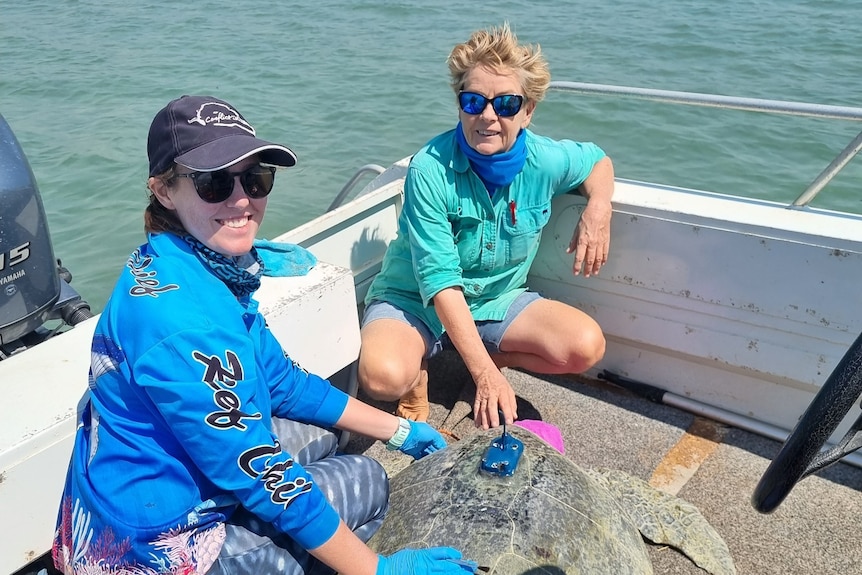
507,105
472,103
258,181
212,187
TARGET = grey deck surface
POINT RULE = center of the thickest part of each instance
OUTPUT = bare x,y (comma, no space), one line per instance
815,530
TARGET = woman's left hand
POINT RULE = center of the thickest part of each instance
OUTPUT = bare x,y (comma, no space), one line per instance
592,238
422,440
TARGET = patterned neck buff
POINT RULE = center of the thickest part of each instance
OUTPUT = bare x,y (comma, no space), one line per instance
240,274
496,170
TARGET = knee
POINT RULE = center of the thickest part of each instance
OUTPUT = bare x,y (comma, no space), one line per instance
590,351
383,380
596,347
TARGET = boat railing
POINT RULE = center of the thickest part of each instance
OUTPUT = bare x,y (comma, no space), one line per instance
747,104
366,169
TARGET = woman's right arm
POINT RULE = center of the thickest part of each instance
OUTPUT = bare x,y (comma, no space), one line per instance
437,265
493,390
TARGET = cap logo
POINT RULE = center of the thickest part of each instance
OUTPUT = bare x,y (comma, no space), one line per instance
216,114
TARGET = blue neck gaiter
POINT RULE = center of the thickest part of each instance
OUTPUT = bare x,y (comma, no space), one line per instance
241,275
496,170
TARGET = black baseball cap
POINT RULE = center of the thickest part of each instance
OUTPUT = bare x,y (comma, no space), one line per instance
205,134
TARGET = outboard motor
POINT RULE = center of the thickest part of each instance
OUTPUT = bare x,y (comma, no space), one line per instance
34,287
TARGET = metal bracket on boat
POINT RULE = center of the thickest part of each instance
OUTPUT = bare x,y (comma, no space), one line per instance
501,457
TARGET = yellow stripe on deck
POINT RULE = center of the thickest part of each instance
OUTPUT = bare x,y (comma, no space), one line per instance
683,460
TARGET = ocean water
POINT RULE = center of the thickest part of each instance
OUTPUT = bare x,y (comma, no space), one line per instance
345,83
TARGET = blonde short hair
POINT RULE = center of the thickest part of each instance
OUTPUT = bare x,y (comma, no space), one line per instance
497,49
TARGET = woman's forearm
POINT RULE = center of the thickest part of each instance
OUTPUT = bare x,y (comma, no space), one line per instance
359,417
455,316
346,553
599,185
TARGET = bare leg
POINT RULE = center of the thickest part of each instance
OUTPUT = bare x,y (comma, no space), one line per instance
551,337
391,366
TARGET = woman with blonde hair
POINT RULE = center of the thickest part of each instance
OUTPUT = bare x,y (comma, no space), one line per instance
475,201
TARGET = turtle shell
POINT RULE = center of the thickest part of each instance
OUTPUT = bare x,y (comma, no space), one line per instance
549,517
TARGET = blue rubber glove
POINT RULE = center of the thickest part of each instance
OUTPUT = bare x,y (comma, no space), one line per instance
422,440
436,560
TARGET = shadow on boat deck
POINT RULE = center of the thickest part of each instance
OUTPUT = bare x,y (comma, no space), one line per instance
715,467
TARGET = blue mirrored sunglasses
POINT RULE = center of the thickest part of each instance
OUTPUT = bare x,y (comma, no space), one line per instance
505,105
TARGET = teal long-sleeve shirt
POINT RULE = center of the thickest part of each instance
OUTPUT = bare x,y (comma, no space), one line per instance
451,233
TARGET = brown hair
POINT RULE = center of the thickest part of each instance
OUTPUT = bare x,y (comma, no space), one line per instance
497,48
158,218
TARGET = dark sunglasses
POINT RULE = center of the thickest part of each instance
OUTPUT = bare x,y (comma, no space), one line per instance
215,187
505,106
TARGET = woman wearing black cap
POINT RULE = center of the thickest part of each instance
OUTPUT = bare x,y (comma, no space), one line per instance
203,448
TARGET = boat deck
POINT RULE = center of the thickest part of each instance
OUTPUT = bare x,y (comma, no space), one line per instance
815,530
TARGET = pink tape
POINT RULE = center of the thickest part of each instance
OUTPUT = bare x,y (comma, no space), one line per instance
550,433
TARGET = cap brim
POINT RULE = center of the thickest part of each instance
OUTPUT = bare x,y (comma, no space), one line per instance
229,150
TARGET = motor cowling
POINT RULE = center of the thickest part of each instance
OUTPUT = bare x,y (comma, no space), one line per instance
31,288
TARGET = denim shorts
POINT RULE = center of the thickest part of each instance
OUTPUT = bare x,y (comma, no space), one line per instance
491,331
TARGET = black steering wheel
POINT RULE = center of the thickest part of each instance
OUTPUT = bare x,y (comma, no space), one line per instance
802,454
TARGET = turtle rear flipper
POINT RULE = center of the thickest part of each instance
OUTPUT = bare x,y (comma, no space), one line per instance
668,520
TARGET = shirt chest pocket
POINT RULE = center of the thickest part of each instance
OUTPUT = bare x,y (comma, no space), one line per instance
467,234
522,229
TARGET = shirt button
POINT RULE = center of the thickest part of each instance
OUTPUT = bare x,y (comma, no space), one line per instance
477,288
489,246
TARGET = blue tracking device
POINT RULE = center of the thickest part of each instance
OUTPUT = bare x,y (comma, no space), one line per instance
502,456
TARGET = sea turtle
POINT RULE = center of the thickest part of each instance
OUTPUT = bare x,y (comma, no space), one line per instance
549,517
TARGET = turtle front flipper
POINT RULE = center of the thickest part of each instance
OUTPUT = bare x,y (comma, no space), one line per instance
668,520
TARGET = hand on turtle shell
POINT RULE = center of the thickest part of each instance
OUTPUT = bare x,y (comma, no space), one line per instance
435,560
494,394
422,440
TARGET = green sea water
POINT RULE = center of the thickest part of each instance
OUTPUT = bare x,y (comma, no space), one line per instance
346,83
